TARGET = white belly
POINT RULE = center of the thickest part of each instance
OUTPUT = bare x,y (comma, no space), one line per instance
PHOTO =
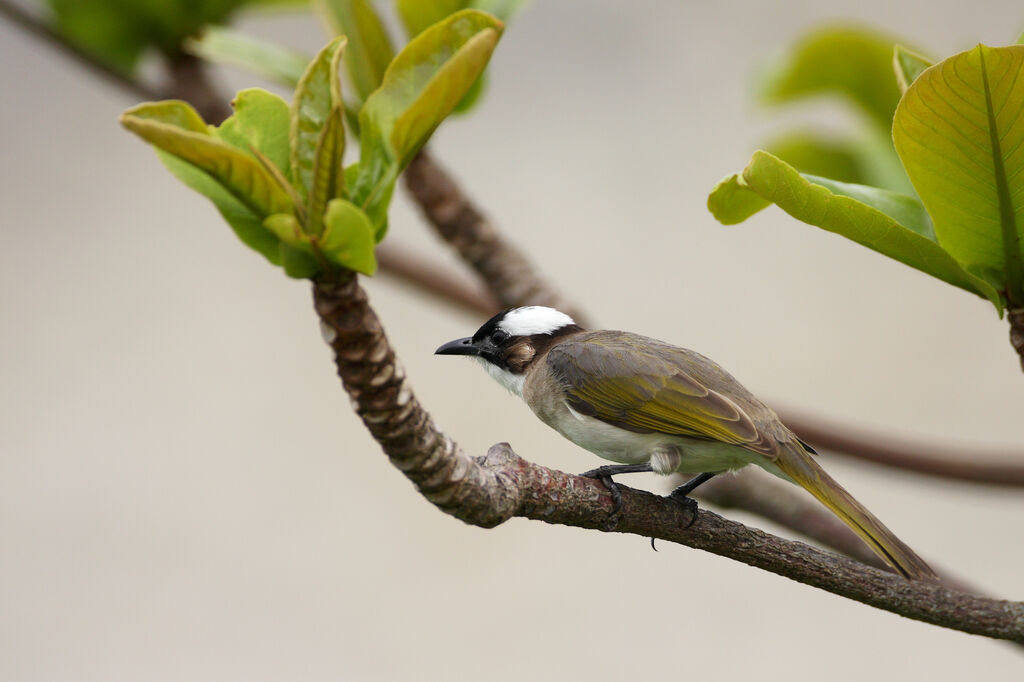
626,447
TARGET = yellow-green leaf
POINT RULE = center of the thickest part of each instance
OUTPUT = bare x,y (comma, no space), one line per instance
369,50
348,237
960,134
239,173
226,46
420,88
849,61
417,15
260,123
892,224
312,105
328,174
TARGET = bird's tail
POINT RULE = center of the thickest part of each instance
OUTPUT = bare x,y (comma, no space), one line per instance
802,469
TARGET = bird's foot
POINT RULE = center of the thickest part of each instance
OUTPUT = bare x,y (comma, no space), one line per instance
691,505
604,474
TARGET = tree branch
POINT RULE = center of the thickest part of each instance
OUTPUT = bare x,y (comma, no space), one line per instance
489,490
506,270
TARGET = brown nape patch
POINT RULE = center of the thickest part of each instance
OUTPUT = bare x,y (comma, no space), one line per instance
519,355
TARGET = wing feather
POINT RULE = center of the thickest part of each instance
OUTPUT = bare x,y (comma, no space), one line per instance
649,386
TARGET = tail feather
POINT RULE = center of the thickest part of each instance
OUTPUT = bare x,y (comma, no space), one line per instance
802,469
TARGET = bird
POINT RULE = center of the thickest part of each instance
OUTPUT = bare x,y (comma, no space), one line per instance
648,405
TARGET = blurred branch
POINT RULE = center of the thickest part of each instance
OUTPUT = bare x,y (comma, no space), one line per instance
430,279
503,268
958,465
39,28
189,79
486,491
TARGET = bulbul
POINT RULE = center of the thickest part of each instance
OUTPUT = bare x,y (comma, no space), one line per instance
652,406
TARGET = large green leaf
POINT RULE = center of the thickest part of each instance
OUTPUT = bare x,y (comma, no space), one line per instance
420,88
369,49
959,132
852,62
317,98
226,46
892,224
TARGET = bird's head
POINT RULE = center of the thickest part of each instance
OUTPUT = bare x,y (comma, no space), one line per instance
508,343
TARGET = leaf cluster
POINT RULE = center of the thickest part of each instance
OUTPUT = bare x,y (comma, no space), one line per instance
957,129
275,171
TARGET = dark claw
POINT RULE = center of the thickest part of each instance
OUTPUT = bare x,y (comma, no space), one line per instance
604,474
688,502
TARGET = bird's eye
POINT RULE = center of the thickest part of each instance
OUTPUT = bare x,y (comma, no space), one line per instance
499,336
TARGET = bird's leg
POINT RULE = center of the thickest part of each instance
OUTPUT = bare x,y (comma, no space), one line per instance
605,473
682,493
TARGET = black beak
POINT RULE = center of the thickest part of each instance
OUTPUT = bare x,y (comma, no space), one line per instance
458,347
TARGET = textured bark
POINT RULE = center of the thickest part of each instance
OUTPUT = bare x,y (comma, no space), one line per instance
506,271
1016,317
486,491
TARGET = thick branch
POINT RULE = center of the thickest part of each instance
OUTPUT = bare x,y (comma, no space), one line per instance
489,490
506,271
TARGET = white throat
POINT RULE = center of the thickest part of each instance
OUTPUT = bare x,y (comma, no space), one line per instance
513,382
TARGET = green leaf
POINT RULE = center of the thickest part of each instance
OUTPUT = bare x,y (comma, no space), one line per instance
960,135
328,175
908,65
246,225
852,62
349,237
234,181
299,264
369,50
892,224
287,228
418,15
225,46
260,122
420,88
472,96
823,155
317,98
239,173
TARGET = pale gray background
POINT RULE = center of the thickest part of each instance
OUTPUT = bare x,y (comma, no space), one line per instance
186,495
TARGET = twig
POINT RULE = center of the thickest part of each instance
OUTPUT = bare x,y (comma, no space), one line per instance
505,270
489,490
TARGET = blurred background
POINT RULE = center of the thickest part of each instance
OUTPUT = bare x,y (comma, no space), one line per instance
185,493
